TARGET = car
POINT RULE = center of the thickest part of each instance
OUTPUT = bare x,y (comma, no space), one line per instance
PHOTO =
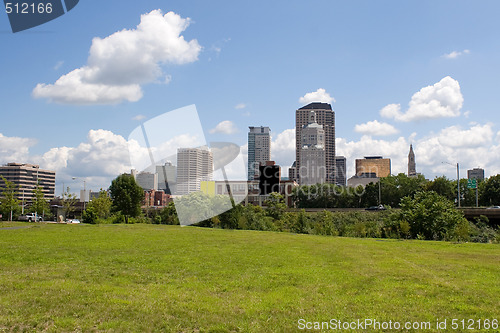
494,207
32,217
73,221
379,207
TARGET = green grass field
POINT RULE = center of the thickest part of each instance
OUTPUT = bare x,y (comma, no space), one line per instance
145,278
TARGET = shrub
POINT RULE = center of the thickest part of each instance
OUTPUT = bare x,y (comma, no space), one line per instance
89,216
431,216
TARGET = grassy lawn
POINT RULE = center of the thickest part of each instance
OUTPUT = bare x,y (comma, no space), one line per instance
167,278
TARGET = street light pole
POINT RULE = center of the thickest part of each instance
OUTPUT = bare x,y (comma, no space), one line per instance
458,182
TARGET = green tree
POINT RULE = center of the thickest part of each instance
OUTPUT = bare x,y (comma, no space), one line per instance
468,195
299,226
394,188
101,205
490,194
40,205
69,202
127,196
276,206
9,202
444,187
431,216
168,215
89,216
369,196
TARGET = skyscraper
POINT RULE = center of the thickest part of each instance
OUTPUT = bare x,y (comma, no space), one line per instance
193,166
146,180
259,149
340,170
167,178
325,117
312,153
412,167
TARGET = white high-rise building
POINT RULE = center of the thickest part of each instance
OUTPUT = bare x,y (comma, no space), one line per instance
312,153
325,116
259,149
193,166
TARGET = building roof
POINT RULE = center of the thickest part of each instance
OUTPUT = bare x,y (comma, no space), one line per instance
317,106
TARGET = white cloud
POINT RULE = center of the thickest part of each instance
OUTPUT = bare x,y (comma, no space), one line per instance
470,147
475,137
455,54
224,127
240,106
103,154
319,95
139,117
58,65
119,64
14,149
376,128
283,149
391,111
441,100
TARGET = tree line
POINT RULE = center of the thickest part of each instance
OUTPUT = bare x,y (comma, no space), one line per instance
392,189
426,210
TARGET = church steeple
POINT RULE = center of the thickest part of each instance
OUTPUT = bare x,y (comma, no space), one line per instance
412,167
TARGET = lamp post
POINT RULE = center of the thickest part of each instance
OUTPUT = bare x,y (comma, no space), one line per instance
84,191
458,182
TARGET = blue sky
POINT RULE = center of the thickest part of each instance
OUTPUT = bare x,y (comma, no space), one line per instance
248,64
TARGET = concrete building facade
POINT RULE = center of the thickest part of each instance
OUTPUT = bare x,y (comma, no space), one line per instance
476,173
325,117
167,178
193,166
312,158
259,149
340,170
377,165
146,180
26,177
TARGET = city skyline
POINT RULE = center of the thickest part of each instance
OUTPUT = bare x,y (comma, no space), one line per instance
430,82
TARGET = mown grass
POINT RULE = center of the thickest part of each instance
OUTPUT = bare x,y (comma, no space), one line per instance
166,278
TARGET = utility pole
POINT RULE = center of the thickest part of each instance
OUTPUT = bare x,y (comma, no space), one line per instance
458,182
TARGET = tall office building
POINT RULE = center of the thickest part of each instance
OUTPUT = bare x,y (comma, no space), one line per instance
412,167
325,117
146,180
259,149
167,178
476,173
373,166
292,172
194,165
340,170
312,153
26,177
